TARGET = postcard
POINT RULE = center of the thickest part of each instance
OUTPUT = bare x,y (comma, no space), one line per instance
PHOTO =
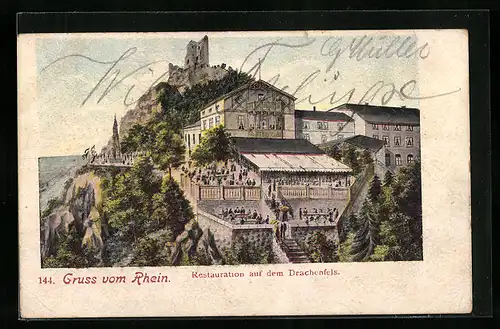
270,173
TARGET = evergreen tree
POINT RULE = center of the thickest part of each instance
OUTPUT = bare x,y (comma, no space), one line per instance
375,189
407,192
366,238
171,209
388,178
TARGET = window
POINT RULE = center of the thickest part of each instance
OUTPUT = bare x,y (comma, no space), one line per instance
217,120
210,110
185,138
306,136
260,97
210,123
217,107
375,136
194,139
387,159
385,127
409,141
241,122
322,125
397,127
323,139
409,128
204,124
409,158
386,140
340,126
397,141
263,124
340,136
189,139
199,138
398,159
374,126
305,125
203,112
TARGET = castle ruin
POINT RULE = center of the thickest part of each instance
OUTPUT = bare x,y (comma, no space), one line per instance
196,67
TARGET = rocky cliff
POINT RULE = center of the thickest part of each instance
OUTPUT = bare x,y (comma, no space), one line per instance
81,207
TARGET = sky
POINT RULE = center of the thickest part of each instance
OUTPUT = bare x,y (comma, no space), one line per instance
74,70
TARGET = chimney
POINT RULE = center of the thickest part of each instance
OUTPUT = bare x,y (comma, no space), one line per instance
314,108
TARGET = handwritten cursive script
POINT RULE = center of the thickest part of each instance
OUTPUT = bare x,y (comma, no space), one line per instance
359,48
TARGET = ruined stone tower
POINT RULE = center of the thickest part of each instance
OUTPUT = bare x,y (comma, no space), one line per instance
196,67
116,141
197,54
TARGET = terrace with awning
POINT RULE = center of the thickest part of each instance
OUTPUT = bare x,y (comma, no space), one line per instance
276,162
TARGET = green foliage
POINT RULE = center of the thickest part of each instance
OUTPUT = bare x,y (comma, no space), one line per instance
215,146
186,105
345,249
244,252
366,238
128,204
388,178
320,249
70,253
350,158
152,251
168,148
170,208
375,189
391,223
366,158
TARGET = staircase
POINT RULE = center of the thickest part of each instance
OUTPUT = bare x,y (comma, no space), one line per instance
293,251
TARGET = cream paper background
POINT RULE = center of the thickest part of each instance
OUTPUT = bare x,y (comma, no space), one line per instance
441,283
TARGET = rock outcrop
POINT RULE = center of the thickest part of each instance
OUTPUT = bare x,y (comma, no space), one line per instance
81,206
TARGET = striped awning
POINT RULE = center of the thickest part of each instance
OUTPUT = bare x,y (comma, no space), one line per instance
295,162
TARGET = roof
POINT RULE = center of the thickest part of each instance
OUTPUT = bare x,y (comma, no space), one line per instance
322,115
243,87
296,162
273,145
384,114
194,125
360,141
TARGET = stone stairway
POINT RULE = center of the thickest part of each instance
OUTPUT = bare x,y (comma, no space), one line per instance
293,251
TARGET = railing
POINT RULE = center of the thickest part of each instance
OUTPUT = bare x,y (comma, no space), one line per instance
207,192
210,193
308,192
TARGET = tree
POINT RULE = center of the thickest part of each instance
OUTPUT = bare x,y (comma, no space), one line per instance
375,189
321,249
138,138
345,249
128,205
171,209
388,178
350,157
215,145
366,239
335,152
407,193
366,157
168,149
152,251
